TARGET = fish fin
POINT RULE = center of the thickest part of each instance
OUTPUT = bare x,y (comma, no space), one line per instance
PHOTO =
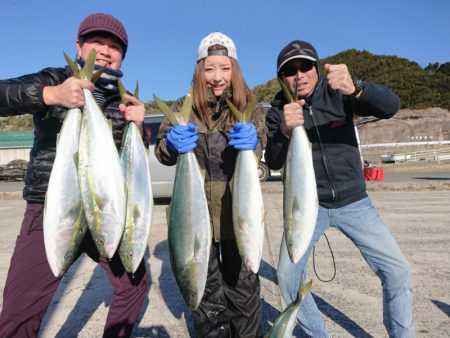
99,201
165,109
245,116
237,114
81,222
122,92
303,289
295,94
249,110
88,69
75,158
73,66
136,90
96,75
286,92
137,214
187,107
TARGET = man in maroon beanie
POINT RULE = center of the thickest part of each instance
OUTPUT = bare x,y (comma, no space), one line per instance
48,94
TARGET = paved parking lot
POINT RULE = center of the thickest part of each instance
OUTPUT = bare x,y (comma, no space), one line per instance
351,303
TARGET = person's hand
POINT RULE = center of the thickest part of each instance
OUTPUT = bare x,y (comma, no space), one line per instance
293,116
134,111
68,94
182,139
339,78
243,136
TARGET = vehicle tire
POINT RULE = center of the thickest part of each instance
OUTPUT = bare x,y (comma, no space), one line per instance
263,171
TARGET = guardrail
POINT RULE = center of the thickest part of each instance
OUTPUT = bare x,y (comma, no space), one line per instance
403,144
438,155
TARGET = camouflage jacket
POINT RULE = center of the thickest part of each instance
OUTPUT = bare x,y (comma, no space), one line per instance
215,157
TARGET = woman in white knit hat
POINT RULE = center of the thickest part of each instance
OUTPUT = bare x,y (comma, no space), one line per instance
230,306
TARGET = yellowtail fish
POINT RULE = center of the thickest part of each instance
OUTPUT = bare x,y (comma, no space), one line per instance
285,323
300,200
135,164
247,202
64,222
188,218
101,178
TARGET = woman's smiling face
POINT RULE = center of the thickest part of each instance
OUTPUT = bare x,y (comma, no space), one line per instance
217,69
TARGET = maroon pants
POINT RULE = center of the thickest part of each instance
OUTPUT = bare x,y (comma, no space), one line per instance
30,284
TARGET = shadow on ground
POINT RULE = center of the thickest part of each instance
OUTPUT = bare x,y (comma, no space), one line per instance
442,306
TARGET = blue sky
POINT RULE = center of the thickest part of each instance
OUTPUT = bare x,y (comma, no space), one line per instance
164,34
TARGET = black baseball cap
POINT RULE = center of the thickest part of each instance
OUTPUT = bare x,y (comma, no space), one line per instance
296,50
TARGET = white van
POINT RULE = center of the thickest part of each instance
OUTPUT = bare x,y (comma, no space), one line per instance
162,176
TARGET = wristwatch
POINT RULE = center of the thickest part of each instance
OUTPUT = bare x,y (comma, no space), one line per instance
359,86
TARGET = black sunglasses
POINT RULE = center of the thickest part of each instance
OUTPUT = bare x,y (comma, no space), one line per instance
303,67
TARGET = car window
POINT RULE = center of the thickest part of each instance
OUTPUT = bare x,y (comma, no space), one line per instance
151,127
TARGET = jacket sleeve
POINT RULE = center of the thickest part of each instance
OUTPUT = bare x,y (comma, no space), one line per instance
24,95
258,120
277,142
375,100
162,153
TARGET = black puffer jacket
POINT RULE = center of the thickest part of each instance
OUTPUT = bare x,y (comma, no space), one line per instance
23,95
329,125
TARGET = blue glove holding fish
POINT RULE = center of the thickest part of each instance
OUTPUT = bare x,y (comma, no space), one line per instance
182,139
243,136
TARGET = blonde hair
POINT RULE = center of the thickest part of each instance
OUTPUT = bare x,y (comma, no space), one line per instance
239,90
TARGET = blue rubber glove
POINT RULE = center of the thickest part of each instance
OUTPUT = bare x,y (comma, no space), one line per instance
182,139
243,136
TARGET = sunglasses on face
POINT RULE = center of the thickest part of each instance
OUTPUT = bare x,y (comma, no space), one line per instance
303,67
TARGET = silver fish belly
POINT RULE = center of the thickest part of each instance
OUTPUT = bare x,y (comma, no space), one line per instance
248,210
64,222
300,201
135,164
101,179
189,230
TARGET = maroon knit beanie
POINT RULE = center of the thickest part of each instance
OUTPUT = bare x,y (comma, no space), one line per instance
100,22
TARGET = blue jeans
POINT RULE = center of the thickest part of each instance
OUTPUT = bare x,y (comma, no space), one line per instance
361,223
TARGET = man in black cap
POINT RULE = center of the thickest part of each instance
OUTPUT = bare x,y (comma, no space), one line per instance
325,107
47,95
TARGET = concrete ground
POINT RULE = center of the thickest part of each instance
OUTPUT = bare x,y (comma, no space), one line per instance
351,303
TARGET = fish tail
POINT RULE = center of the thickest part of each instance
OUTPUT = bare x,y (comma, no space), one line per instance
303,289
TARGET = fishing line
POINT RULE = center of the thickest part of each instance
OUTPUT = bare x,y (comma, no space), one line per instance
332,257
